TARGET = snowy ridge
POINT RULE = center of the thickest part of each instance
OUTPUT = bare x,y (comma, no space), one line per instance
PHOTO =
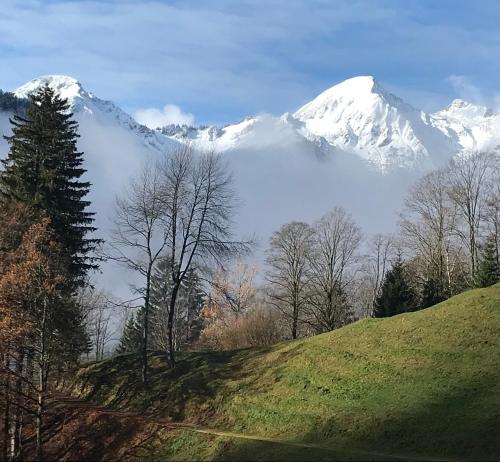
85,104
356,116
66,87
471,126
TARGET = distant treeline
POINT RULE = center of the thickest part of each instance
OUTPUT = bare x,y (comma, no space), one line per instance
10,102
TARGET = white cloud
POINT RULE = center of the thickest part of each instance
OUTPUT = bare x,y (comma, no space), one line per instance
468,91
465,89
170,114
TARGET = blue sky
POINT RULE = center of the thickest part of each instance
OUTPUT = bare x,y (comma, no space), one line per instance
222,60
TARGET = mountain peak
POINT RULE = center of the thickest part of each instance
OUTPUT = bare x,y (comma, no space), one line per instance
65,86
361,83
359,115
459,108
350,89
363,92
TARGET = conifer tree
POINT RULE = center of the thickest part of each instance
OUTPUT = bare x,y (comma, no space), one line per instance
396,295
10,102
132,337
489,271
44,169
187,324
193,300
33,289
432,293
161,287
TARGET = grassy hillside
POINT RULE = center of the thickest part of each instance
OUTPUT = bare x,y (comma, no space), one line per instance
424,384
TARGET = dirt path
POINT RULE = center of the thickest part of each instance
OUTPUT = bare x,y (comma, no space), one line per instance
64,402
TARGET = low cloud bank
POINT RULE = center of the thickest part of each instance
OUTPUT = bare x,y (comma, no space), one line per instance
170,114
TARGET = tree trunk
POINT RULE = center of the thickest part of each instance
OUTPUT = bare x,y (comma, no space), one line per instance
472,245
42,378
295,319
6,416
39,412
97,339
146,326
40,404
170,325
15,441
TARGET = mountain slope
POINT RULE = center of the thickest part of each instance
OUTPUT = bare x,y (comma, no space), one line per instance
356,116
472,126
85,104
360,117
418,384
280,174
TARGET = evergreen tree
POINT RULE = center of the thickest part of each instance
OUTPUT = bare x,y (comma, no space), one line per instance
396,295
10,102
432,293
133,334
43,169
187,323
193,298
489,270
161,287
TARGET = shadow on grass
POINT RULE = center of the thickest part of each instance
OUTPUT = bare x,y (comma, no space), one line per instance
457,425
185,393
456,422
75,435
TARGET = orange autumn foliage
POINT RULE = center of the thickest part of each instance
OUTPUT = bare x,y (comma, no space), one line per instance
28,271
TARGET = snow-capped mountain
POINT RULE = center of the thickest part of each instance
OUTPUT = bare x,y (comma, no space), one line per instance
471,126
85,104
358,116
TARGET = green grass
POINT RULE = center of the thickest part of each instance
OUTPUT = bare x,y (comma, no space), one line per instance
420,384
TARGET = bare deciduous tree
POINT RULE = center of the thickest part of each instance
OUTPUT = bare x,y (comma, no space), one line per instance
336,239
98,311
428,227
492,210
468,176
288,272
140,236
200,201
257,327
234,289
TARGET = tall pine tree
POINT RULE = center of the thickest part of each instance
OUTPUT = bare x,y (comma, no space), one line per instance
396,295
44,170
